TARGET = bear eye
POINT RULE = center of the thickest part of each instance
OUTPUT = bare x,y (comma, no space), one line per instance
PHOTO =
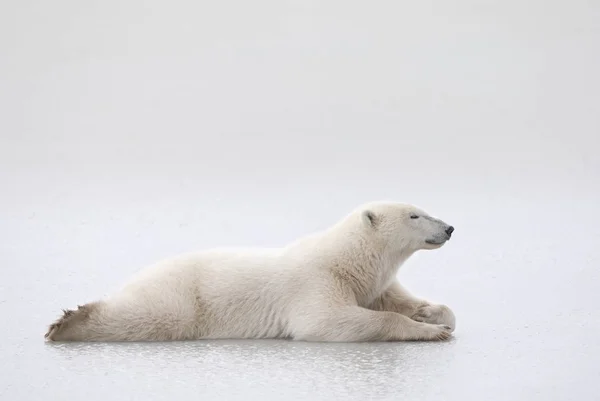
414,216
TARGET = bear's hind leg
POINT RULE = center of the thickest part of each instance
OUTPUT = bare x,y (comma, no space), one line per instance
73,325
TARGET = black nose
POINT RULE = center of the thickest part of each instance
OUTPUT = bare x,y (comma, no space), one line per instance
449,230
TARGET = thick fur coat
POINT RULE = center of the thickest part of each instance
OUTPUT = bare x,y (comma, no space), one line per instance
336,285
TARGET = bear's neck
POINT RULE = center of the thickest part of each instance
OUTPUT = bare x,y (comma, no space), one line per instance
370,267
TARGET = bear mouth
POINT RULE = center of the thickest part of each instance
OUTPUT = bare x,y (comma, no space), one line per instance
435,242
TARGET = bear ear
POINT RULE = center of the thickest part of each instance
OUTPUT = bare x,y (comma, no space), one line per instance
370,219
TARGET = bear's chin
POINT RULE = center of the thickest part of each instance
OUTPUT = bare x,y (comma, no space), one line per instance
433,245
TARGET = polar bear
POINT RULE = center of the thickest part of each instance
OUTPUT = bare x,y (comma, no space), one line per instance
338,285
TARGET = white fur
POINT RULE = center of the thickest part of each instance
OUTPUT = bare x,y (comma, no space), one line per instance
337,285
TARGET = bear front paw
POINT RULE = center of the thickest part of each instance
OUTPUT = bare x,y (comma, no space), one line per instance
435,314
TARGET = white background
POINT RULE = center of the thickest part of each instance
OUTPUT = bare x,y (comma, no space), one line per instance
131,131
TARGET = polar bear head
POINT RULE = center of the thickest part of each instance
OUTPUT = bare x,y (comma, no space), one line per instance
404,226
